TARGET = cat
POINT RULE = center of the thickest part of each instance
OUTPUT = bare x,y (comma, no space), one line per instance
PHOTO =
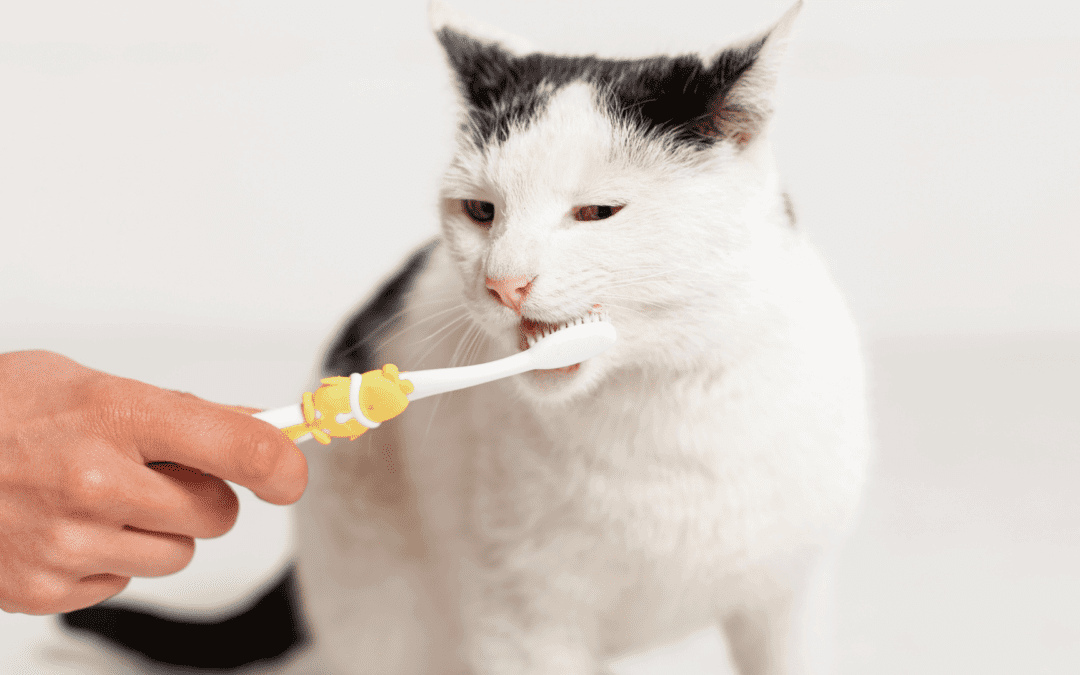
690,476
699,473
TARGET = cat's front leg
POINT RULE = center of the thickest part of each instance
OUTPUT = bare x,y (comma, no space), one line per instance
784,624
505,644
534,626
759,637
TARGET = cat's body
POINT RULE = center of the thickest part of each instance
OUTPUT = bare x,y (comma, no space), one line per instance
690,476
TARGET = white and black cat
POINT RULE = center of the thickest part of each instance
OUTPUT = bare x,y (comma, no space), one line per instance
688,476
692,475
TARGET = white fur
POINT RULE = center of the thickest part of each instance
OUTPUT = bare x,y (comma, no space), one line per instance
691,475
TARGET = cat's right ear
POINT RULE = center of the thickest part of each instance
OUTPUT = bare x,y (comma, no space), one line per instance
472,47
442,15
480,57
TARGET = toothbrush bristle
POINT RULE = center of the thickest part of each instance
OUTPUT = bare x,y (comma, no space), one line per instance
532,331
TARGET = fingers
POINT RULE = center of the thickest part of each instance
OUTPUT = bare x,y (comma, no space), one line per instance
180,500
80,511
94,588
172,427
236,447
82,549
131,552
88,563
55,593
235,408
169,498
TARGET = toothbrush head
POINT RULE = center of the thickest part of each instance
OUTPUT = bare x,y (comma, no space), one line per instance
571,343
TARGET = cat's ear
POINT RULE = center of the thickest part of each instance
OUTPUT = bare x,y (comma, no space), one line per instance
479,55
746,78
465,40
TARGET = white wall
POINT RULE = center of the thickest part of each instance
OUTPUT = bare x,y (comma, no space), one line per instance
258,163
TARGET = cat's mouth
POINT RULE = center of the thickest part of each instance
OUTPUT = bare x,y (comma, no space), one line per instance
530,329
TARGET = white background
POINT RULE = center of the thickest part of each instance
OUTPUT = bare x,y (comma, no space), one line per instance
261,163
194,193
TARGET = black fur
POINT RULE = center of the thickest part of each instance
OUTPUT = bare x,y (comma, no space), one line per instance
271,627
675,96
354,350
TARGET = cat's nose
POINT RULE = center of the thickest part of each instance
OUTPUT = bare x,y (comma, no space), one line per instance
510,291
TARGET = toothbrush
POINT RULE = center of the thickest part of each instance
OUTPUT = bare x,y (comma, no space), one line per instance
346,407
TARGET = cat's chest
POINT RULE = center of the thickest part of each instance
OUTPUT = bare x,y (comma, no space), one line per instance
613,480
616,432
623,457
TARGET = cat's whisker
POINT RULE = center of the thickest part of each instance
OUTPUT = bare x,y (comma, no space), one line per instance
472,333
664,273
447,333
456,358
633,283
460,307
428,319
475,347
625,309
403,331
644,268
389,321
412,309
584,286
637,300
601,280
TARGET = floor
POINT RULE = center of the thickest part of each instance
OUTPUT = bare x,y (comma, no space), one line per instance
966,559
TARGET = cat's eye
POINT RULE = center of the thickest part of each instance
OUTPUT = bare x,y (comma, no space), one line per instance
595,212
481,213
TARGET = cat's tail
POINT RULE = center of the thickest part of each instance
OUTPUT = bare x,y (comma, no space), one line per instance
269,629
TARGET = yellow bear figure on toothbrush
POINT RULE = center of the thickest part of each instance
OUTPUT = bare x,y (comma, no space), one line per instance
346,407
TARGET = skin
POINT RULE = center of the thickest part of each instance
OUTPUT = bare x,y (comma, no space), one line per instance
103,478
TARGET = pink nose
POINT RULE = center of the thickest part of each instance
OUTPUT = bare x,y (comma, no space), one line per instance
510,291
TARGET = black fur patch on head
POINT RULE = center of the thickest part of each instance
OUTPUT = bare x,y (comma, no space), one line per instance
680,97
356,348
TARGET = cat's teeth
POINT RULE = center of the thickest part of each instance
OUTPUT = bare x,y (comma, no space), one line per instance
539,331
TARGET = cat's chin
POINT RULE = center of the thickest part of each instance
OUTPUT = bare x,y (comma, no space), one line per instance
558,386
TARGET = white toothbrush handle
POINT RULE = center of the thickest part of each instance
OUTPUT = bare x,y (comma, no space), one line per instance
441,380
285,416
426,383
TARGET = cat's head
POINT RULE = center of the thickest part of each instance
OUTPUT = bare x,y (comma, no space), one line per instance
634,187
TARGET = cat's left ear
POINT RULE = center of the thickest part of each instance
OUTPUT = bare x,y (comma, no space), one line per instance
746,74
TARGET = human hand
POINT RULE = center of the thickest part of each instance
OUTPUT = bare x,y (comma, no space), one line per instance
81,512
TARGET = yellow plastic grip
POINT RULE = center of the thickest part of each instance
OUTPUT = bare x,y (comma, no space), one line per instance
382,396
